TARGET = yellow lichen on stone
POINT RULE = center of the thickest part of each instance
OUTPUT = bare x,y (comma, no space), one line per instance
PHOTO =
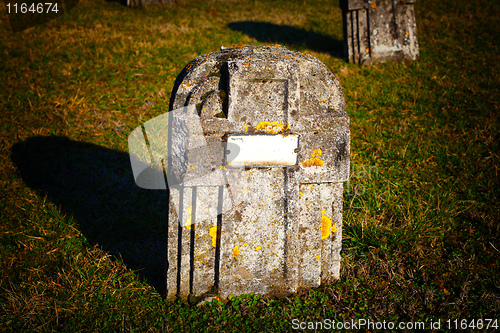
334,229
188,224
274,127
317,257
190,167
236,251
245,127
316,152
243,190
312,162
258,248
301,194
221,167
246,244
213,234
326,225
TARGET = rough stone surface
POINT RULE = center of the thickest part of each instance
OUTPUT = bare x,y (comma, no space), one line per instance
378,31
285,229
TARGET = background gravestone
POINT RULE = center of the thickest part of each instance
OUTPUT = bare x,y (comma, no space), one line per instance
378,31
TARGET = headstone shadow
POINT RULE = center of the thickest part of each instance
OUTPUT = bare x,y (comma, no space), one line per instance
284,34
96,186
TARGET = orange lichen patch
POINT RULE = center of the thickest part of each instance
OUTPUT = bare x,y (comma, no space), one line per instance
317,257
189,83
312,162
250,58
213,234
323,101
326,225
407,33
374,5
245,64
258,248
236,251
367,50
274,127
316,152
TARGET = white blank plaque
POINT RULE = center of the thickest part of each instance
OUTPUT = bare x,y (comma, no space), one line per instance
262,150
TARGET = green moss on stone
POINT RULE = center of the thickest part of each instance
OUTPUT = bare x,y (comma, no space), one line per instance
198,108
214,74
207,94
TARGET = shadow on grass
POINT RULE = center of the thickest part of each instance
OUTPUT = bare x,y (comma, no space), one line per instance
96,186
285,34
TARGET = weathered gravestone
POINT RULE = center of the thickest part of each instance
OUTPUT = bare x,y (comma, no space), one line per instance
378,31
262,214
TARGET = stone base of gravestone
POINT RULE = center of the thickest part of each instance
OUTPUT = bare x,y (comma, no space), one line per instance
379,31
141,3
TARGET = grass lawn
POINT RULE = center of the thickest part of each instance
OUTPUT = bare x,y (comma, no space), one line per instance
81,247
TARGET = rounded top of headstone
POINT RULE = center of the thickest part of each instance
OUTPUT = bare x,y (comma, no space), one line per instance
221,83
268,51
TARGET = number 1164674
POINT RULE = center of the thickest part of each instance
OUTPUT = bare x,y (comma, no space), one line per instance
34,8
478,324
